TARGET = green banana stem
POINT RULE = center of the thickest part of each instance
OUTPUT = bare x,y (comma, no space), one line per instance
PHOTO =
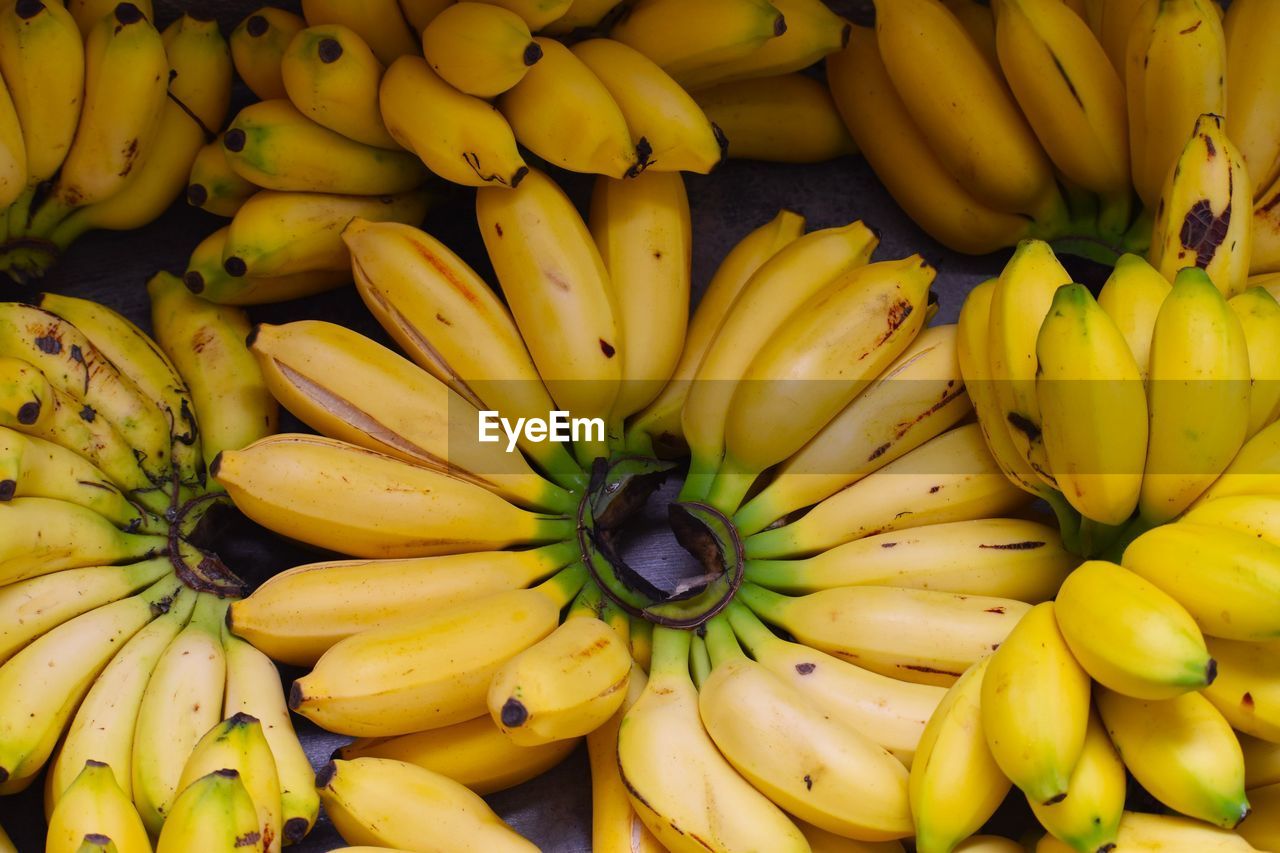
563,586
748,628
69,230
764,602
698,480
730,486
637,442
769,573
721,643
210,613
670,653
160,595
1115,551
1068,520
1091,248
1115,213
1138,238
589,602
15,219
587,452
699,660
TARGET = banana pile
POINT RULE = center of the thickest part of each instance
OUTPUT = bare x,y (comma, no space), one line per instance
101,117
994,123
115,659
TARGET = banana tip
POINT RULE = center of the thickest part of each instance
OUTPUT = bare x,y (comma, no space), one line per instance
256,26
27,9
197,195
235,267
1210,672
295,696
215,465
127,13
8,488
253,335
233,140
326,774
532,53
240,718
514,713
295,829
329,50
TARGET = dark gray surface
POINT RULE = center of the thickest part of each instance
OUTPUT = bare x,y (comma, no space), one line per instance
554,810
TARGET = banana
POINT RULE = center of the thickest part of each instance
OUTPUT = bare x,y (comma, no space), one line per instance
47,679
478,48
6,844
955,783
979,21
640,639
257,48
1005,557
661,115
475,753
409,279
378,23
1245,691
1204,217
1263,831
642,228
914,635
215,814
1093,407
950,478
103,725
1132,296
555,281
536,13
812,32
684,790
810,763
1259,315
790,118
1035,707
773,293
1130,636
988,844
33,607
253,688
561,91
1182,751
685,38
915,399
198,96
583,15
42,535
1198,395
86,13
566,685
1089,818
1253,122
1175,68
1252,471
699,662
1070,94
1265,256
615,826
238,743
432,671
382,802
1164,834
902,157
212,184
182,701
95,804
1261,761
276,147
660,421
459,137
205,342
13,154
207,277
332,77
865,318
1257,516
345,498
419,13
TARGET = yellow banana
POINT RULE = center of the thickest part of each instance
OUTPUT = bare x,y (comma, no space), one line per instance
257,48
988,844
1132,297
915,399
253,687
213,185
215,814
378,22
902,156
13,154
1265,256
382,802
237,743
583,15
1005,557
812,32
1035,707
1204,217
419,13
1259,315
1175,71
979,21
1253,471
95,804
207,277
1164,834
1247,688
1261,761
276,147
475,753
1182,751
790,118
950,478
684,790
915,635
536,13
42,535
642,228
206,343
182,701
615,826
332,77
432,671
1089,818
1257,516
659,422
1253,122
89,12
661,115
1111,22
561,91
1198,396
955,783
480,49
1264,830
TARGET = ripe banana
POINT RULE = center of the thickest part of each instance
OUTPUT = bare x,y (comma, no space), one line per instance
1089,818
915,635
536,13
1258,516
1265,256
790,118
276,147
207,277
1182,751
1261,761
950,478
1263,831
213,185
1198,396
615,826
237,743
378,22
88,12
561,91
1253,122
215,813
385,803
257,49
1132,297
1164,834
1253,470
42,535
332,77
95,804
1246,689
1204,218
583,15
1259,315
480,49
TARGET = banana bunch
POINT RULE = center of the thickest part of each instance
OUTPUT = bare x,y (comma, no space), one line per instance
113,647
101,119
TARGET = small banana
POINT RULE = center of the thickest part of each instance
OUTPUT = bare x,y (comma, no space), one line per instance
790,118
1089,818
332,77
1164,834
207,277
215,814
378,22
41,536
1263,831
89,12
1253,121
480,49
419,13
258,44
1265,257
1259,315
1132,297
213,185
1253,470
1246,689
582,15
237,743
536,13
1258,516
95,804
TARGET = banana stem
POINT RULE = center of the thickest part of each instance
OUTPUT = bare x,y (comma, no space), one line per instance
751,632
1113,216
721,643
766,604
162,593
699,660
770,573
699,479
564,585
1138,238
1115,551
670,653
587,452
553,528
588,603
617,619
640,639
638,443
16,217
1090,248
69,230
210,613
730,485
1068,520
